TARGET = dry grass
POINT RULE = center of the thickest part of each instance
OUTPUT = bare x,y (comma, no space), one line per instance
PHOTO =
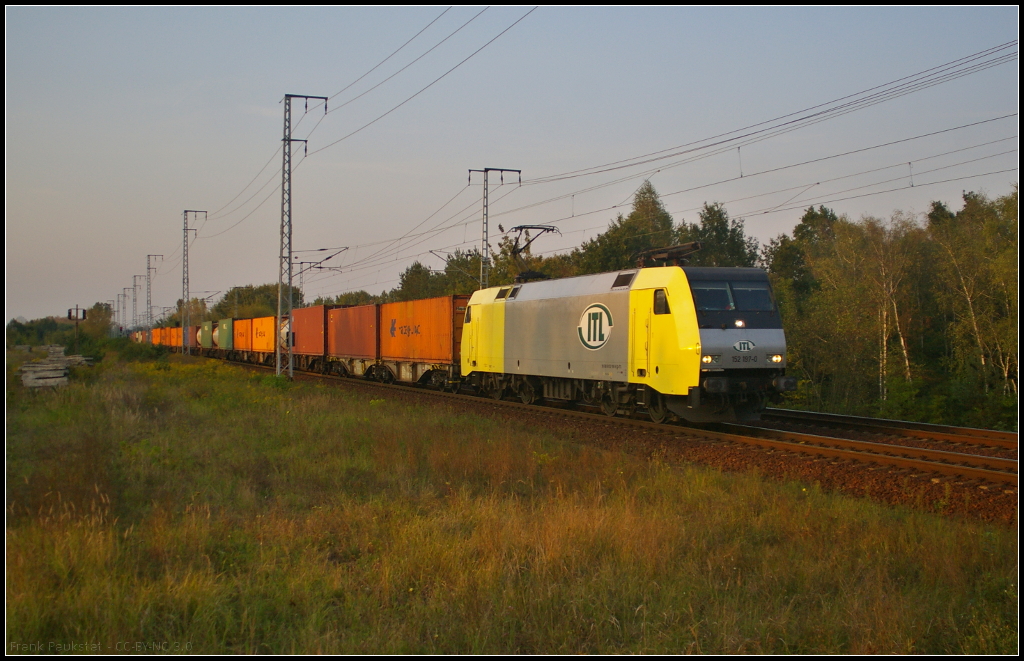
190,504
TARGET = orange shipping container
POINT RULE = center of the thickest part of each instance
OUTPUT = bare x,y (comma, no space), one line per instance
352,332
309,327
242,335
176,337
427,331
264,335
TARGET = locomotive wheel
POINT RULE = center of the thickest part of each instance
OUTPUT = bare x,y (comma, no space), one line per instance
494,388
656,407
608,404
527,393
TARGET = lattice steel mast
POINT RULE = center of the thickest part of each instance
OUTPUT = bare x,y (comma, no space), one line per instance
284,273
485,252
185,316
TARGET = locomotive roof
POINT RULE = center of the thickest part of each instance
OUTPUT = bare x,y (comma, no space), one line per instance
580,285
602,283
730,273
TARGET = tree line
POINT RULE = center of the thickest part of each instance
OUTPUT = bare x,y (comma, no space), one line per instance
897,317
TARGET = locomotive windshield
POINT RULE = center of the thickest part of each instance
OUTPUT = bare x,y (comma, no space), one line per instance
720,295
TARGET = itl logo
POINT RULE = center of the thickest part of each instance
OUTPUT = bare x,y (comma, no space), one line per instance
595,326
404,330
743,345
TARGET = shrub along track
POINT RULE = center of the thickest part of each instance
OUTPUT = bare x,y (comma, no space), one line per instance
947,486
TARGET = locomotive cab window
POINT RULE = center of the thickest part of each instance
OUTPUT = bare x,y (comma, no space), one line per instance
661,302
752,296
712,295
469,314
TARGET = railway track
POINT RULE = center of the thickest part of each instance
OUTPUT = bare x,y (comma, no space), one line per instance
961,435
997,470
994,469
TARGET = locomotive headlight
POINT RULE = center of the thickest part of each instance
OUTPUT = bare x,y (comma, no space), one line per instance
775,357
740,323
710,360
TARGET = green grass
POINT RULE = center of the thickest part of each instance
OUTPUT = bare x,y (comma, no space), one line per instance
195,507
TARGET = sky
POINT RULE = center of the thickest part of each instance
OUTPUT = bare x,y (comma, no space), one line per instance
120,119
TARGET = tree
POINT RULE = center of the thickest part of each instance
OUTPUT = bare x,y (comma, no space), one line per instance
247,302
461,270
98,321
978,271
723,241
348,298
416,282
646,227
894,250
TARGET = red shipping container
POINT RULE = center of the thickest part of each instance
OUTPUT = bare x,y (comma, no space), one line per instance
424,331
309,326
352,332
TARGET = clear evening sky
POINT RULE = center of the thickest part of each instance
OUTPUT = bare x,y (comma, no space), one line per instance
119,119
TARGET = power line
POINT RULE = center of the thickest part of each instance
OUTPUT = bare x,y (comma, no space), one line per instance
368,124
940,69
392,54
381,257
913,83
372,122
269,161
747,176
274,155
812,184
357,267
336,108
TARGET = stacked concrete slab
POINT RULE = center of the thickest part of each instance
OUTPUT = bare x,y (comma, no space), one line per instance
52,371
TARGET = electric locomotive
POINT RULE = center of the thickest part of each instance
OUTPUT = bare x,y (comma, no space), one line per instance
704,344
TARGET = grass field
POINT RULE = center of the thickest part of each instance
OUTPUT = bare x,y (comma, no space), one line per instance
187,505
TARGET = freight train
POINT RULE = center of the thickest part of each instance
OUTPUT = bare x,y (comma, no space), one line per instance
702,344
